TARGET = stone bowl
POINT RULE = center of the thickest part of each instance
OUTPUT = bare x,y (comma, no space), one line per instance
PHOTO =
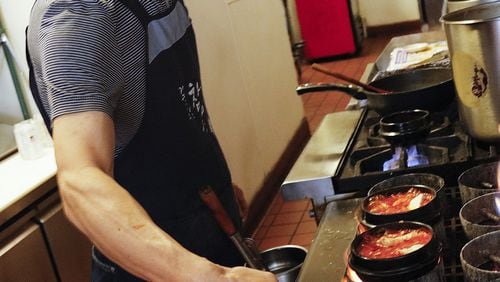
477,181
429,214
475,253
473,218
426,179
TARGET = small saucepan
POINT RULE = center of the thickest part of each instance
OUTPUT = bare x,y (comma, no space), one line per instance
427,89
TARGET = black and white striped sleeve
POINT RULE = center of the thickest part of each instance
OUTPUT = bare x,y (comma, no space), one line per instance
80,58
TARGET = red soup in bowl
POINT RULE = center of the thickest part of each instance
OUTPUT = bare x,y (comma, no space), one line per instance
399,202
393,243
398,251
406,202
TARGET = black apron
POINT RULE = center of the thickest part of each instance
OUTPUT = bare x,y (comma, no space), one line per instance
175,151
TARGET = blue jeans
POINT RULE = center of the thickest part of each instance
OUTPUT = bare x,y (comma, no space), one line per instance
104,270
199,233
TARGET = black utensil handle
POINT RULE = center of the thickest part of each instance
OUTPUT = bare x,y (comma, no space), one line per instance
355,91
348,79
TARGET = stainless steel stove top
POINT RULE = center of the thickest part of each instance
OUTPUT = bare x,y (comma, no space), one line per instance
311,176
319,174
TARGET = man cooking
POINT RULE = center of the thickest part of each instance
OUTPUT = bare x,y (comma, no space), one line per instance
118,83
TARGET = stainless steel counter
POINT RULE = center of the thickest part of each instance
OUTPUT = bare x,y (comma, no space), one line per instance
311,176
326,259
23,182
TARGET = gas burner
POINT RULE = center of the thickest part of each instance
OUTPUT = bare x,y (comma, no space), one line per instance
387,158
439,126
406,127
404,157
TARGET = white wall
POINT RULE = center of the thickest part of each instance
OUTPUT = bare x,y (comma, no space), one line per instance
14,16
249,82
10,111
248,77
383,12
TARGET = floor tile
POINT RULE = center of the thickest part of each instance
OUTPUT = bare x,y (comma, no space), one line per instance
274,242
281,230
315,99
268,220
306,227
288,218
276,205
307,217
292,206
302,239
260,233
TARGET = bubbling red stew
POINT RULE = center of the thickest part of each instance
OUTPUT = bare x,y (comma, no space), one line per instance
400,202
393,243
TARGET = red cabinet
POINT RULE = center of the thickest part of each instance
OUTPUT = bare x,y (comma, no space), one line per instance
327,28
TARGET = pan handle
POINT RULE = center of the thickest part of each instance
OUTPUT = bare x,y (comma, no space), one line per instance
355,91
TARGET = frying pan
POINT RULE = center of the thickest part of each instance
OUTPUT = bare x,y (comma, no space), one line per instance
427,89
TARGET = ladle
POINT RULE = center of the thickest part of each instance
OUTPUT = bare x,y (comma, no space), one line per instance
249,252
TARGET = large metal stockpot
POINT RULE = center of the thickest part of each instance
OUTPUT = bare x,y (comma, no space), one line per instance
473,36
454,5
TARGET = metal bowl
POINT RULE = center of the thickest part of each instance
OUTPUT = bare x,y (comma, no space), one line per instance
475,253
285,261
477,181
473,218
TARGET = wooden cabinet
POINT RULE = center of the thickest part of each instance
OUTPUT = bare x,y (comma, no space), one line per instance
38,243
70,249
24,257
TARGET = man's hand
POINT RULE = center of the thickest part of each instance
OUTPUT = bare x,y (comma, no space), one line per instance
244,274
242,202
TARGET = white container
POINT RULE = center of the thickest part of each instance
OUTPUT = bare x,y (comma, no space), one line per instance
29,139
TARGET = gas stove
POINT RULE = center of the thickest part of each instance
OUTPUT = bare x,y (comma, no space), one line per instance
447,151
350,152
358,164
346,161
328,255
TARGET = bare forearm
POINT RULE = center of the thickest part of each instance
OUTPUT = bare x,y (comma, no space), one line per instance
112,219
120,228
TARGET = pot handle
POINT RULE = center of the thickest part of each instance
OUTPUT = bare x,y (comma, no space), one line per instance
352,90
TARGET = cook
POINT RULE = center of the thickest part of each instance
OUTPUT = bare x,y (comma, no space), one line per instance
118,84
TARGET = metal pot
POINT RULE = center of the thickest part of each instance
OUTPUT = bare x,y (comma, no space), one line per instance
473,41
285,261
454,5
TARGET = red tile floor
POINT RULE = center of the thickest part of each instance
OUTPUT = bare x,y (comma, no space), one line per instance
288,222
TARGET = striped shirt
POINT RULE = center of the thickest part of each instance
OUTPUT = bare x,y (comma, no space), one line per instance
90,55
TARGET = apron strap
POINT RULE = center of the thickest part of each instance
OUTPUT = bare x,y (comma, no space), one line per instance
138,10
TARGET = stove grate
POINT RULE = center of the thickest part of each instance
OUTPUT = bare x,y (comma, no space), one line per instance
455,236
